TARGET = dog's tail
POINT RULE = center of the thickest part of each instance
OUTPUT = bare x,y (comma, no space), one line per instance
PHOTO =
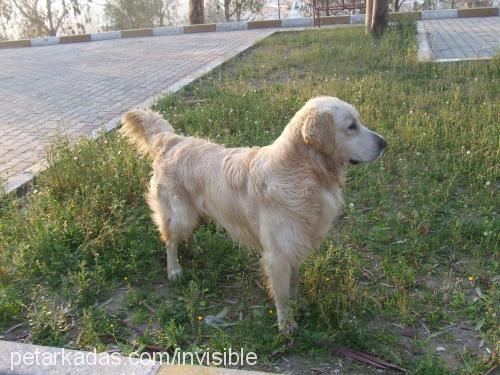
141,126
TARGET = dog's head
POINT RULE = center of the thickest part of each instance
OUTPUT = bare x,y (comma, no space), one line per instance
333,127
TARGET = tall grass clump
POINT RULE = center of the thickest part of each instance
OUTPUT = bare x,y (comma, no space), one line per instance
84,224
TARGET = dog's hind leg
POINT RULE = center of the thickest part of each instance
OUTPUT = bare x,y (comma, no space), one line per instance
176,221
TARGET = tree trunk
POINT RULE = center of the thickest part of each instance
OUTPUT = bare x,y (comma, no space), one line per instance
227,15
196,13
50,18
368,16
161,17
377,16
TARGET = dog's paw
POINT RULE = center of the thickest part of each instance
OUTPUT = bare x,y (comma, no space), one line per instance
287,326
174,274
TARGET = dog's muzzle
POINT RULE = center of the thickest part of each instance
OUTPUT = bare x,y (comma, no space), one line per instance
381,143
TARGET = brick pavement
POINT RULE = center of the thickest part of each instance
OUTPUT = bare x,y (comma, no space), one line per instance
78,88
463,38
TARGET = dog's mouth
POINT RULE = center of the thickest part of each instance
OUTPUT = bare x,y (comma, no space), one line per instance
354,162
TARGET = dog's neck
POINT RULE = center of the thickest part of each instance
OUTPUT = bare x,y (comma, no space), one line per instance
290,149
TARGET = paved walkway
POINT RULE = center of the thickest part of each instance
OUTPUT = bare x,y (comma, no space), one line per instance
463,38
78,88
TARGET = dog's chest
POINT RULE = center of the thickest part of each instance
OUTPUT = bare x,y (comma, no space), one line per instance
331,204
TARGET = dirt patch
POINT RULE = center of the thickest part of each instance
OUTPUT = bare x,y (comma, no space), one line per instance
294,364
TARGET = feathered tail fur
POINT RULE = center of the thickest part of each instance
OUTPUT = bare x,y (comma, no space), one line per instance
141,126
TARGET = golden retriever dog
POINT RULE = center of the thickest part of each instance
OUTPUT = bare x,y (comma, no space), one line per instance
280,199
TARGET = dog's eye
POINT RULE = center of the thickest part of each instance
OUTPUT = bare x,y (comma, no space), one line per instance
353,126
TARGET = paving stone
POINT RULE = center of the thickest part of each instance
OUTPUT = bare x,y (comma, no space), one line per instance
462,38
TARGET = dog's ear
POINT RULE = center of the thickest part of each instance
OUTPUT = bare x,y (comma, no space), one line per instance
318,130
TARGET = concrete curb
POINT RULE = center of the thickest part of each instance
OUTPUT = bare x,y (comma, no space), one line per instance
424,50
439,14
27,359
245,25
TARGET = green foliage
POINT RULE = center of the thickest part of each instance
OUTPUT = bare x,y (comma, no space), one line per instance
170,335
431,364
11,305
95,328
47,18
48,319
330,286
136,14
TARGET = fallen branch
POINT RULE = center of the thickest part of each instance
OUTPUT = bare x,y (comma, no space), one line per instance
360,356
12,328
364,357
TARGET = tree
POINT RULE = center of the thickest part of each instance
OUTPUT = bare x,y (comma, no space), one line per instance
213,12
233,9
136,14
196,12
167,11
398,4
5,16
42,18
252,6
376,17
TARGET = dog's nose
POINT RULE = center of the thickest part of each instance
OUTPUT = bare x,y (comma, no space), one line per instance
382,143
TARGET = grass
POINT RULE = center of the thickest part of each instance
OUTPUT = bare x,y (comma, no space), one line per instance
415,251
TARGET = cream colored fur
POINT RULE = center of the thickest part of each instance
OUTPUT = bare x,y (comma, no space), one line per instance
280,199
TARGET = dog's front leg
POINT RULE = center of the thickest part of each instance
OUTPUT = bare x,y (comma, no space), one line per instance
279,273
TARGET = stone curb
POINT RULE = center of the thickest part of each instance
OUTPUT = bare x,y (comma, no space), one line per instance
28,359
424,50
245,25
439,14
